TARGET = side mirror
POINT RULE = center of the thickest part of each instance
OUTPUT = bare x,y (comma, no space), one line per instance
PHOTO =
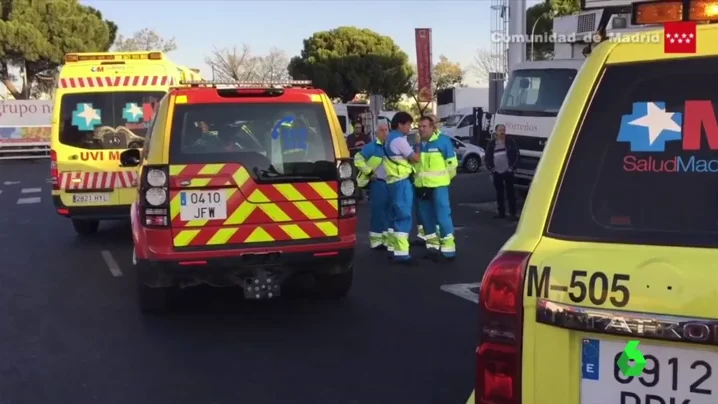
130,158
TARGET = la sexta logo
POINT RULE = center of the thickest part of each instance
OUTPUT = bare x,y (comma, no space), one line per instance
650,126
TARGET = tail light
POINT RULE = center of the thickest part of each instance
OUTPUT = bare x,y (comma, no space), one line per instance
154,196
346,175
498,355
54,173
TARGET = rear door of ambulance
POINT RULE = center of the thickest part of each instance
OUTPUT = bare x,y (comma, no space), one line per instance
237,178
103,108
629,248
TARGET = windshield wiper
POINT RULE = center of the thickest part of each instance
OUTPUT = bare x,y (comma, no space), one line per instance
272,175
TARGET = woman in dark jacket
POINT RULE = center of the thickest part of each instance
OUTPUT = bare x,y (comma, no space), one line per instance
502,155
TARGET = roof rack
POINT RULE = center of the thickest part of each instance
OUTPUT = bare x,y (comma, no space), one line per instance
248,84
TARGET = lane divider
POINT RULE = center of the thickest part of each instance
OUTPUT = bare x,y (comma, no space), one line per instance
463,290
111,263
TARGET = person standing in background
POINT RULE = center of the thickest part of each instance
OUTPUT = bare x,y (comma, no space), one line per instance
358,139
502,156
399,165
370,164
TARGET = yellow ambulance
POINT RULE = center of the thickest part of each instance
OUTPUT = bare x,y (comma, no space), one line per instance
104,104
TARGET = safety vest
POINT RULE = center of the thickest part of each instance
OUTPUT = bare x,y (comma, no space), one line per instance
289,151
438,163
368,160
397,167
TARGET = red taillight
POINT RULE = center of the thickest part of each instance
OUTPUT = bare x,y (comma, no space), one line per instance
54,173
498,356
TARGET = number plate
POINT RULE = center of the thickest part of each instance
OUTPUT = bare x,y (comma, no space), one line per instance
91,198
203,205
671,376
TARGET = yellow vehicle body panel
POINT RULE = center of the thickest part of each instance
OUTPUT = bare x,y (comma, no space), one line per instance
663,279
97,171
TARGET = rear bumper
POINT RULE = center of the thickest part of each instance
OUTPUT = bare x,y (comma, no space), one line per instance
91,212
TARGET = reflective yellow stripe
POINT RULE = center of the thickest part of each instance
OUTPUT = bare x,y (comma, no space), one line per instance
240,176
240,214
294,231
259,235
176,169
222,236
309,210
258,197
211,169
289,192
274,213
323,189
175,206
199,182
328,228
184,237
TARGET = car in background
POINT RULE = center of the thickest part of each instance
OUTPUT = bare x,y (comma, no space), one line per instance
470,156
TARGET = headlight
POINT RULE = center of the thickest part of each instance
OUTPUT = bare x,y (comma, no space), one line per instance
156,178
345,171
347,188
156,196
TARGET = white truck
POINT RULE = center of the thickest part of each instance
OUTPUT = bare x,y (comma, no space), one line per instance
452,101
536,89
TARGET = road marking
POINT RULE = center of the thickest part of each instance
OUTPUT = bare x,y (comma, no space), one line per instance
26,201
463,290
111,263
30,190
11,182
0,191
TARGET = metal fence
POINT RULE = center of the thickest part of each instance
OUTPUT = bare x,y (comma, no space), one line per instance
24,151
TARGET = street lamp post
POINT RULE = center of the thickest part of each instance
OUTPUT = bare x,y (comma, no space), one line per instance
533,29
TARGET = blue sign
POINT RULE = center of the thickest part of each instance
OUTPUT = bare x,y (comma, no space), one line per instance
590,354
650,126
85,117
292,138
183,197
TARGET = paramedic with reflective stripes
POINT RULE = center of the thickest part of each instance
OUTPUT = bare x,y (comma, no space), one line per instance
419,224
433,175
398,163
370,164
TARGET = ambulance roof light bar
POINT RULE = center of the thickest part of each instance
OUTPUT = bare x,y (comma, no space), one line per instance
660,12
86,57
248,84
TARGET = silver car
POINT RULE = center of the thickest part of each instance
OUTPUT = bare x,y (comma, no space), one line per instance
471,157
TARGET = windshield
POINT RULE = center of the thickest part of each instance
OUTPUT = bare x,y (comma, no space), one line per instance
452,121
536,92
116,120
643,166
281,138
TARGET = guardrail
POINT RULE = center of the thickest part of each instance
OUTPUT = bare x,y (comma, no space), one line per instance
20,151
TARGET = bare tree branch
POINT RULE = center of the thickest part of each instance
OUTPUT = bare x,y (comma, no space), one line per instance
485,63
238,64
145,40
273,66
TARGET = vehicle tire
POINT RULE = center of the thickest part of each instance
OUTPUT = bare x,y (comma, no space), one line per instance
472,164
334,286
85,227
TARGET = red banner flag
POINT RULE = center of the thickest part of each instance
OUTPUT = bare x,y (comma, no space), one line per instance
423,63
680,37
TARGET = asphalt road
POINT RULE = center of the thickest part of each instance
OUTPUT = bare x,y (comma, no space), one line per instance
70,331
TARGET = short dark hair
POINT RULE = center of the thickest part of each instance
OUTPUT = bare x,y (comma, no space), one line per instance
400,118
429,119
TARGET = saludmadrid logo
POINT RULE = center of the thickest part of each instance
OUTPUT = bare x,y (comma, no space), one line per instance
634,37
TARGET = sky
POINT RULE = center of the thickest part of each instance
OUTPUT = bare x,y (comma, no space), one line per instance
459,28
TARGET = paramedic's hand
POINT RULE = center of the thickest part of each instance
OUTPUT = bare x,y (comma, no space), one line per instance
417,139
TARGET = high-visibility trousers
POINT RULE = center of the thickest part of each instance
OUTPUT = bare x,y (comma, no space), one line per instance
437,211
380,205
402,198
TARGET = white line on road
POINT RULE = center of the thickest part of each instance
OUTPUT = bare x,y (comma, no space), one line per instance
463,290
26,201
11,182
0,191
30,190
111,263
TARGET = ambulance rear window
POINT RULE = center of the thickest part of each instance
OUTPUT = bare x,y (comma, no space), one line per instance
644,165
116,120
291,138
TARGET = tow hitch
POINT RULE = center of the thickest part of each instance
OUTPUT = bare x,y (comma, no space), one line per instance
262,286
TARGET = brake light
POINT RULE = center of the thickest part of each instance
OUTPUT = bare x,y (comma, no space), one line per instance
54,173
498,355
346,177
154,196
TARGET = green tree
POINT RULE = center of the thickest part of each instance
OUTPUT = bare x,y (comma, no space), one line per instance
349,60
444,74
565,7
539,22
144,40
36,34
